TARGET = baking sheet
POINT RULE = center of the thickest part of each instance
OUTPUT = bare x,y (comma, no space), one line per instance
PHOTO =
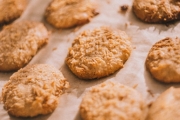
133,74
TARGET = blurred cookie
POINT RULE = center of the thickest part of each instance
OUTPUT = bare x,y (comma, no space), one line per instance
19,42
69,13
33,90
98,53
112,101
11,10
157,11
166,107
163,60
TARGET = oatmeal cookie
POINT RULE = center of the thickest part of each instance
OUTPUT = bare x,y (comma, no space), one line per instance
113,101
69,13
157,11
166,107
19,42
98,53
11,10
33,90
163,60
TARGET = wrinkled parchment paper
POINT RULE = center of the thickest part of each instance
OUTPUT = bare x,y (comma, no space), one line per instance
134,73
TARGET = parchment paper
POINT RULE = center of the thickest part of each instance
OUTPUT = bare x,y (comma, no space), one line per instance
134,73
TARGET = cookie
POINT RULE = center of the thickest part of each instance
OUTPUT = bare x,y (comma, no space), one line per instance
112,101
19,42
11,10
33,90
166,106
163,60
98,53
157,11
69,13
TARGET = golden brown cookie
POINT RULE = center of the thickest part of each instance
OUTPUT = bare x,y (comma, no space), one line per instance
112,101
166,107
33,90
157,11
19,42
98,53
11,10
69,13
163,60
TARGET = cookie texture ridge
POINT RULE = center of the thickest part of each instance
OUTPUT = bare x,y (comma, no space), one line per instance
11,10
157,11
166,106
19,42
113,101
163,60
69,13
33,90
98,53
